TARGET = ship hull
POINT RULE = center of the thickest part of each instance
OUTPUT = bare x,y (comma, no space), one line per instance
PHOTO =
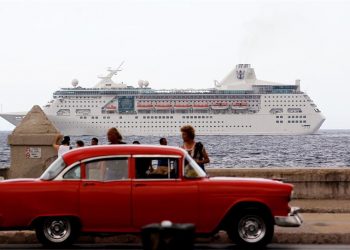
213,125
238,124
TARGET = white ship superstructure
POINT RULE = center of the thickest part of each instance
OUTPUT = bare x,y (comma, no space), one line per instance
238,105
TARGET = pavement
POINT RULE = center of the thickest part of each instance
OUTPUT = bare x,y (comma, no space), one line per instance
325,222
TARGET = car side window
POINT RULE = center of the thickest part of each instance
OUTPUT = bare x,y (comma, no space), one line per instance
156,168
107,169
73,173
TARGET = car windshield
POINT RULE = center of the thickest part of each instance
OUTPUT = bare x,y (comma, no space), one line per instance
55,168
191,169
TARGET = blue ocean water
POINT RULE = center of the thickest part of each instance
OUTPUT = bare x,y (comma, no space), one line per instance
327,148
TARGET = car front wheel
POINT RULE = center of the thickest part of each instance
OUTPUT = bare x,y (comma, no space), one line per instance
57,231
251,228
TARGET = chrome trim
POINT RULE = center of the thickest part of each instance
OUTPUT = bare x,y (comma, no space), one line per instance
251,228
105,157
165,179
156,156
292,220
103,181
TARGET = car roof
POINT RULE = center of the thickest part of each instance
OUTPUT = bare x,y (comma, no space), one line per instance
83,153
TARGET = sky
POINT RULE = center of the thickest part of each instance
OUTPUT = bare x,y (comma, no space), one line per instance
174,44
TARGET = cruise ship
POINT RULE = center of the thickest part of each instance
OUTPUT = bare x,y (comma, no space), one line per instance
240,104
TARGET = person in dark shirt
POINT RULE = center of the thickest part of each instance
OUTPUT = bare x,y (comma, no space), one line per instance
79,144
163,141
163,161
94,141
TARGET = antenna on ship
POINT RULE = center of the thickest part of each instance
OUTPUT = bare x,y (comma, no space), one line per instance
115,71
297,83
112,72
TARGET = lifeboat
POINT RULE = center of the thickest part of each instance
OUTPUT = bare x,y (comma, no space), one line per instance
182,106
111,107
219,106
163,106
240,105
144,106
200,106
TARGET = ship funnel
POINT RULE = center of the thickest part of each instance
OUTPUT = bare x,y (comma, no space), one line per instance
239,77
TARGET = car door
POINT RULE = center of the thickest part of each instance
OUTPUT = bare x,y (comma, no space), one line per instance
159,195
105,194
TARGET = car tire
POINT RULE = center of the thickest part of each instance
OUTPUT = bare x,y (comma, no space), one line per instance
251,228
57,231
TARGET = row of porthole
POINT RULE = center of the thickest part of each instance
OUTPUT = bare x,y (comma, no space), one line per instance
301,116
155,121
296,121
285,106
150,123
289,96
227,126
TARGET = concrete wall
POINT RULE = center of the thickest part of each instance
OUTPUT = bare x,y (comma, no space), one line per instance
309,183
31,145
24,167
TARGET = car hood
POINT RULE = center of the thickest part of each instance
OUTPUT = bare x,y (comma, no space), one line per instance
249,182
244,179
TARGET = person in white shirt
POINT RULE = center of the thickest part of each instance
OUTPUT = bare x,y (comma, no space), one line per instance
64,146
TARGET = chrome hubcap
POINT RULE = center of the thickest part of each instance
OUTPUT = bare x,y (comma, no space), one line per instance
57,230
251,229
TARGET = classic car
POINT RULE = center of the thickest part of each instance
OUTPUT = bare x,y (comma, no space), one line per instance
121,188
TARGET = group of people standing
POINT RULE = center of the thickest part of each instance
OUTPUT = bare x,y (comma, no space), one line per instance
195,149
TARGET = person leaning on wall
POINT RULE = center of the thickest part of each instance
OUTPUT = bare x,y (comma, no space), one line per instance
195,149
62,147
114,136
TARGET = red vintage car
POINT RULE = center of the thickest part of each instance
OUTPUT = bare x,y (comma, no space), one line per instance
121,188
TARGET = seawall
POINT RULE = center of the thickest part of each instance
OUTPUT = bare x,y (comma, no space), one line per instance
309,183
